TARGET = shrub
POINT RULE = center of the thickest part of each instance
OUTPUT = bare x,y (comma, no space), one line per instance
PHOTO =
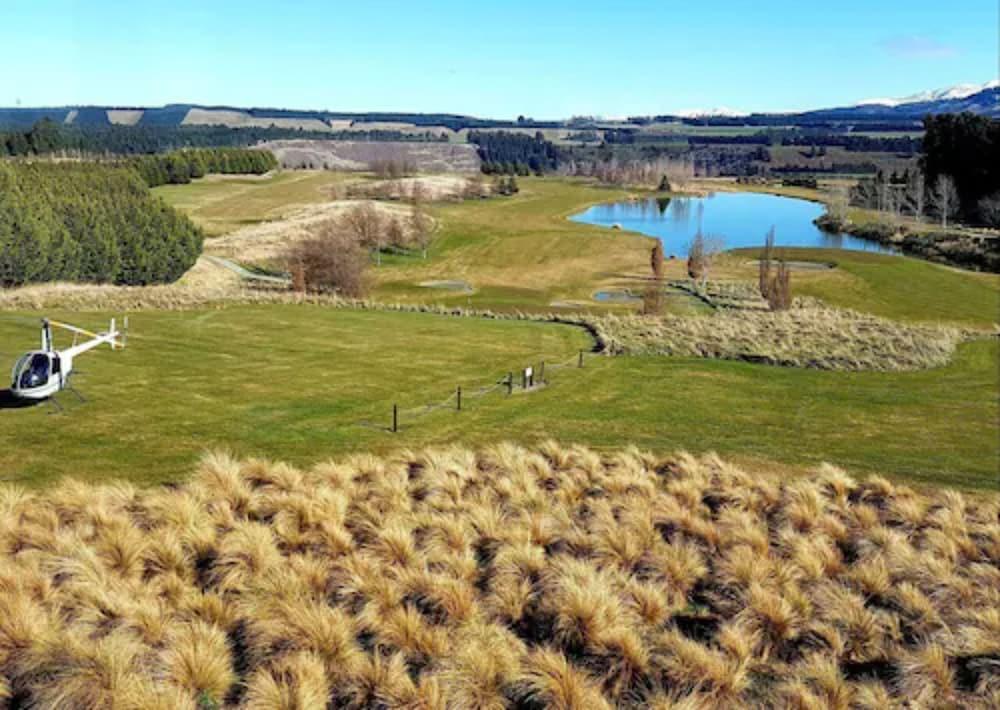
779,292
329,261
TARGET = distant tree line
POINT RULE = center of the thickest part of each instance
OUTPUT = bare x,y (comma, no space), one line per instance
860,144
47,137
966,148
182,166
88,223
507,153
958,176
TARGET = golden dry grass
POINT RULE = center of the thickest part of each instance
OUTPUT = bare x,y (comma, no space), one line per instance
809,335
553,577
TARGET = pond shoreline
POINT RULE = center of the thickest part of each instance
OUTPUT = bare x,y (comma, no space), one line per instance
962,249
738,219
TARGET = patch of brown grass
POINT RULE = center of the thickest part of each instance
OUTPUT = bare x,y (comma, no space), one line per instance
810,335
553,577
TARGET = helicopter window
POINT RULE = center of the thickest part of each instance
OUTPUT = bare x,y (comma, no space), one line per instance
35,372
18,366
56,365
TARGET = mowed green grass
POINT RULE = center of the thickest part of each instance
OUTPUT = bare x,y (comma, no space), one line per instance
293,382
223,204
521,251
284,381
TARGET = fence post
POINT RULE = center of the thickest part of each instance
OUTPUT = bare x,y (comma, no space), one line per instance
510,383
524,379
395,418
581,359
458,399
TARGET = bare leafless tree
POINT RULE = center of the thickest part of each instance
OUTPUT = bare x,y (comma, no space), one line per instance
475,188
764,266
839,203
944,197
779,292
395,235
989,209
421,228
652,300
329,261
701,257
916,195
418,193
656,260
365,224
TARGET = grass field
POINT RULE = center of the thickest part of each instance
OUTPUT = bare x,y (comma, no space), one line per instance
291,383
521,252
220,205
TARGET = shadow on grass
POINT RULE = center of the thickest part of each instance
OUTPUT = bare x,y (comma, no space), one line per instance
9,401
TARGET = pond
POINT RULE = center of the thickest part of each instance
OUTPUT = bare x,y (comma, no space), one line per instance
737,219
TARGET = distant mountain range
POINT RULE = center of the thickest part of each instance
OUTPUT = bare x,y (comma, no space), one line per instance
982,99
952,93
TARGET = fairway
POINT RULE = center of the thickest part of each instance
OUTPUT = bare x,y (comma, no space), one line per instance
293,383
521,252
222,204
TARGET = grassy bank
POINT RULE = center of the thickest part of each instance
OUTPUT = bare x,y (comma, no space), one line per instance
896,287
292,382
223,204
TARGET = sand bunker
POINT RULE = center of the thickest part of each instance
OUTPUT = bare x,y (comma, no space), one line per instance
457,286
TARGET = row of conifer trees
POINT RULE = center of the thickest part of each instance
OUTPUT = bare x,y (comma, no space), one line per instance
87,222
180,167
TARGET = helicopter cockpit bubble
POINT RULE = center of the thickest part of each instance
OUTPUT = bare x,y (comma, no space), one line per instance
32,371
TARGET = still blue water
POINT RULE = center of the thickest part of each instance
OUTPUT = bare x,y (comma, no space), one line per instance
738,219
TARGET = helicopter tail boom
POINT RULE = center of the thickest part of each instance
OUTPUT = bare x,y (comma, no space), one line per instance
115,338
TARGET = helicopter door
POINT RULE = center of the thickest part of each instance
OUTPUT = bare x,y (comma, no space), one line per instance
15,374
34,372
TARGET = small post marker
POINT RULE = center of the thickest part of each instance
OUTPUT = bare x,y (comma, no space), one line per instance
510,383
395,418
581,359
458,399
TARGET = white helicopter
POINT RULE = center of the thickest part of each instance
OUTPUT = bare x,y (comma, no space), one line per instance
39,374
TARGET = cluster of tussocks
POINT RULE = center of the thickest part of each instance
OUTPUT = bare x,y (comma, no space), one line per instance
509,578
813,336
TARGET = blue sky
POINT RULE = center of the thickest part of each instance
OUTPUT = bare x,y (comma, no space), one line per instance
501,58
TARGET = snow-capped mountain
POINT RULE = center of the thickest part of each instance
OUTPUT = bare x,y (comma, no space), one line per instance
720,112
952,93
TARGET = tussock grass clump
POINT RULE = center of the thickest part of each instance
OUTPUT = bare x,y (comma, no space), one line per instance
810,335
554,577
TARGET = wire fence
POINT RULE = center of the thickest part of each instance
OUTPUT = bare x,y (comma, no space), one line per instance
525,380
